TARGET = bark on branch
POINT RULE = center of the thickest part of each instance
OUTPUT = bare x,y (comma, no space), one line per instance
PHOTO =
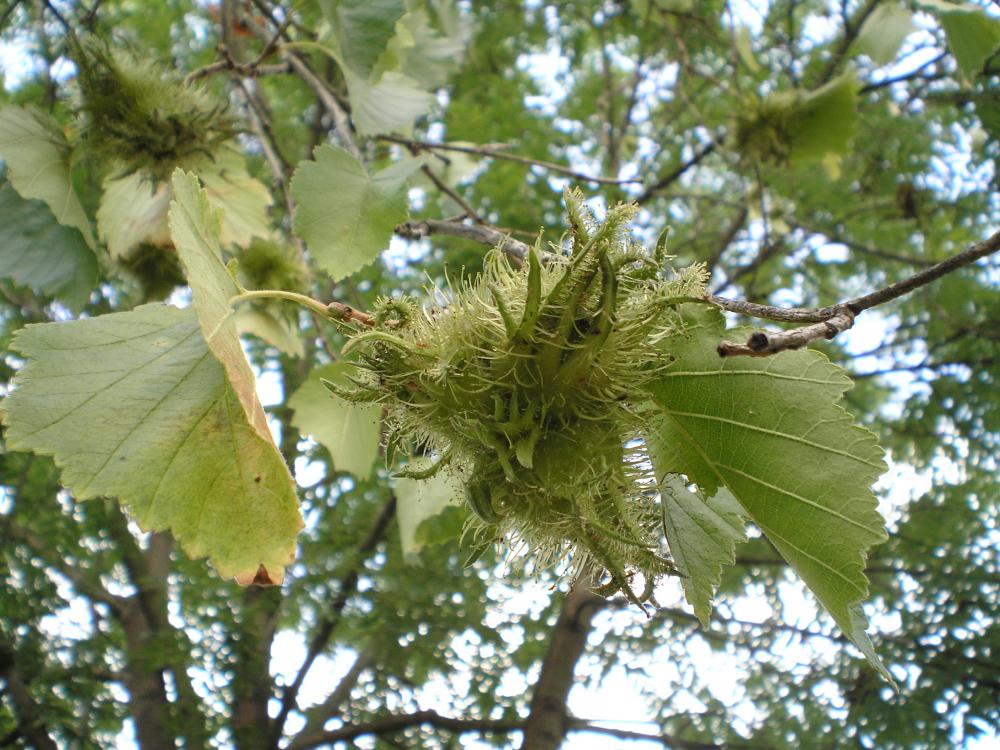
548,720
827,322
415,230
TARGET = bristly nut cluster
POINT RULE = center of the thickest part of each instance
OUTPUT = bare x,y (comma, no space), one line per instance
530,385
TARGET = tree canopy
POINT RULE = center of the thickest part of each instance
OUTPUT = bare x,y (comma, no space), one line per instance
422,373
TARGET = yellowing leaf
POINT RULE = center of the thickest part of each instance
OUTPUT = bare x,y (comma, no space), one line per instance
36,155
133,211
38,252
345,215
133,405
351,432
761,427
194,227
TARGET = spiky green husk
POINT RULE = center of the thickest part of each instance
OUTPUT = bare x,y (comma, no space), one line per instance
266,264
529,382
142,116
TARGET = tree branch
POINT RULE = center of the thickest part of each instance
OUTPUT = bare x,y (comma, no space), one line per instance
835,319
675,174
89,586
30,724
392,724
324,631
318,715
548,719
414,230
495,152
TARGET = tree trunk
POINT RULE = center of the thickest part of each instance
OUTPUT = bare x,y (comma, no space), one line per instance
148,703
252,684
30,725
547,721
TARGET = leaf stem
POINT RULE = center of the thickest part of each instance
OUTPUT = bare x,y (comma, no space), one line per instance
308,302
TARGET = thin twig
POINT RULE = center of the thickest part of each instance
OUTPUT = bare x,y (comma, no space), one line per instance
835,319
451,193
495,152
327,97
484,235
675,174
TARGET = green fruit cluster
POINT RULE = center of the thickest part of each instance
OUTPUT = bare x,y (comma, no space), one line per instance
530,383
143,117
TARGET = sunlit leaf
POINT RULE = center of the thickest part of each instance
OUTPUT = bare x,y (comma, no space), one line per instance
389,104
418,500
351,432
133,405
134,208
884,31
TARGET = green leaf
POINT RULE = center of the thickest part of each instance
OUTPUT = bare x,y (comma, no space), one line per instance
973,38
824,120
744,48
134,208
195,227
38,252
363,28
133,211
418,500
37,157
771,431
389,104
884,31
268,323
702,535
423,53
133,405
345,215
351,432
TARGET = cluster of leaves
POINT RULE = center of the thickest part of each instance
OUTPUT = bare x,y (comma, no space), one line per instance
156,406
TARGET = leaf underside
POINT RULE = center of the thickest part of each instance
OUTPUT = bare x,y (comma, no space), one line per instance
133,405
42,254
36,155
763,428
345,215
702,534
351,432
